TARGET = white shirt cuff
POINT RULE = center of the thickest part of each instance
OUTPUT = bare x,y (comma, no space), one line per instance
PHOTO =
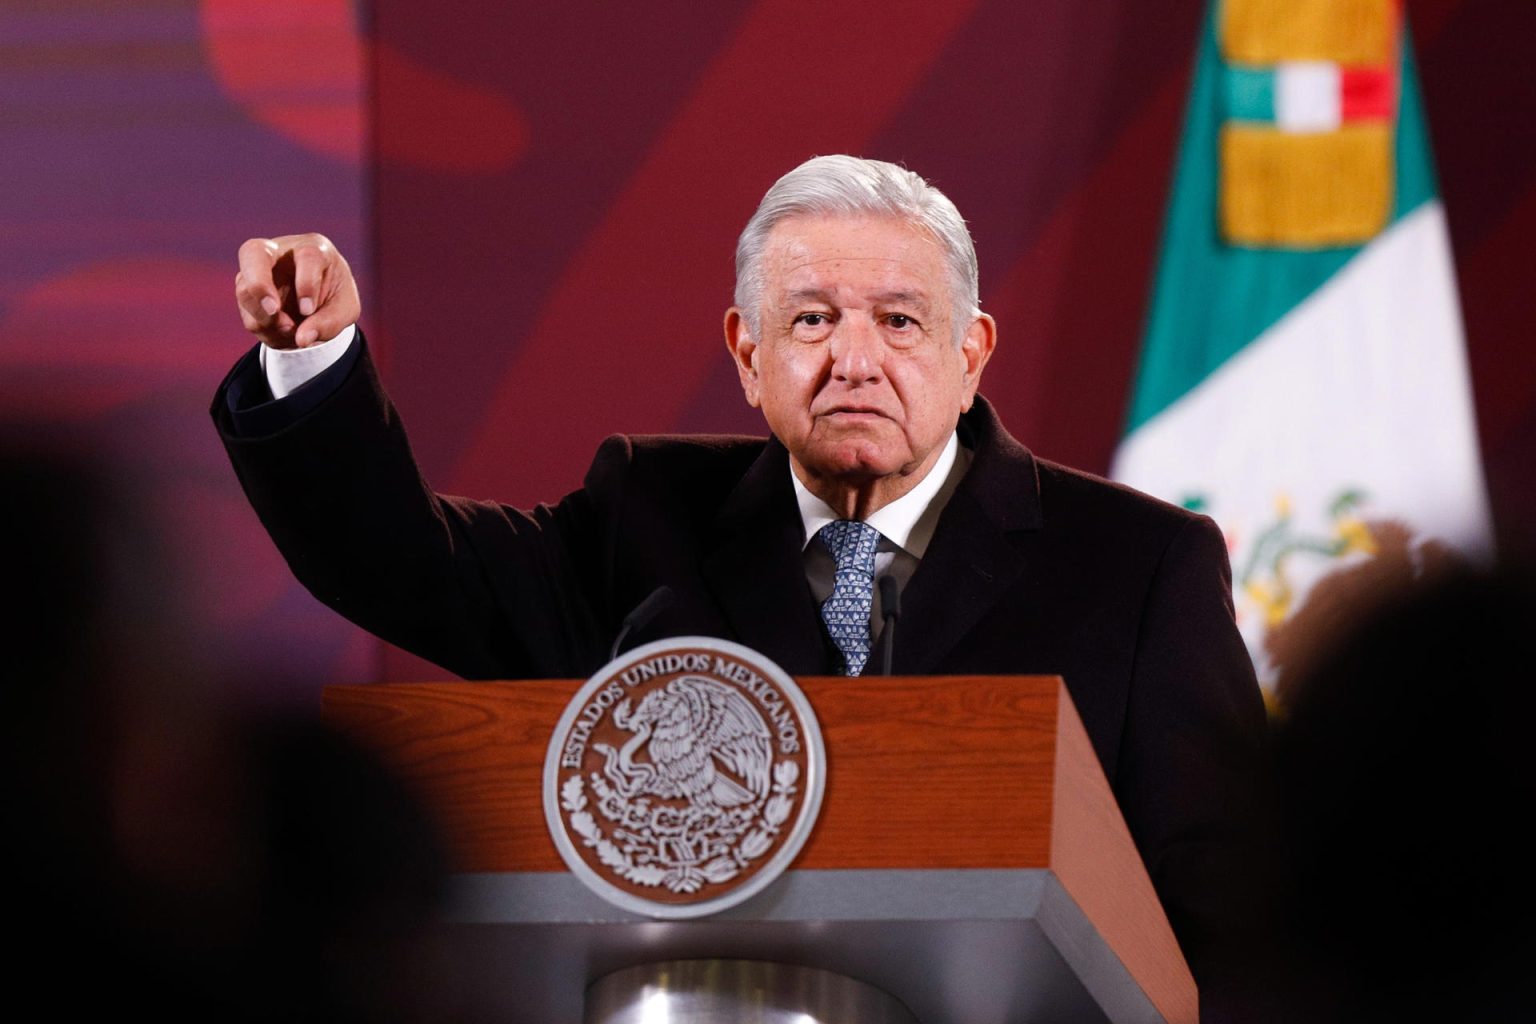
289,368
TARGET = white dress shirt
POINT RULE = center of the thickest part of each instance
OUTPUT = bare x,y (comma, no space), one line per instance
287,368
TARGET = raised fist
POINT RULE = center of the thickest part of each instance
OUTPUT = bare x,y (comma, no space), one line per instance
295,291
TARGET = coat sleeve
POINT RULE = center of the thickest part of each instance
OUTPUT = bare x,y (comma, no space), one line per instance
485,590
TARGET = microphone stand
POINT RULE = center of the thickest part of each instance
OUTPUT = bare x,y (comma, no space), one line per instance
656,602
890,611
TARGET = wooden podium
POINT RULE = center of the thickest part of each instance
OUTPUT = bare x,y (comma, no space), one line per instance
969,858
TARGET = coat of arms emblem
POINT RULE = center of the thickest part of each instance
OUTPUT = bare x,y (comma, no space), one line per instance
684,777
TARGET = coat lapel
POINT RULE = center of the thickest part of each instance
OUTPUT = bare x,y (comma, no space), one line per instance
754,565
755,568
972,560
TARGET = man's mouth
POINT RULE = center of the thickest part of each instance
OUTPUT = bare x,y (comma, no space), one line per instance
855,410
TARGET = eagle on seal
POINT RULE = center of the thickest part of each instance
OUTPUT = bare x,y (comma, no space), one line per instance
691,730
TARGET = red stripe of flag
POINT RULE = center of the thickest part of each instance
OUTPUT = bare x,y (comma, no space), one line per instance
1369,94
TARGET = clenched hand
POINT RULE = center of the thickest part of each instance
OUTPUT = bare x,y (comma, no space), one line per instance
295,291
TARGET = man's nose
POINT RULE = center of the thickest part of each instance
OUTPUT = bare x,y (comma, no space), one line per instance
858,351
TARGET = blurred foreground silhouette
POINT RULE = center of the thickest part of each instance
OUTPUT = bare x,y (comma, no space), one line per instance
1406,773
168,851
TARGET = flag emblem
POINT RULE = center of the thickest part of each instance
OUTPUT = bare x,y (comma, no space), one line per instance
1310,99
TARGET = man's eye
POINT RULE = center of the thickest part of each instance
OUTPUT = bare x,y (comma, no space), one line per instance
900,321
811,319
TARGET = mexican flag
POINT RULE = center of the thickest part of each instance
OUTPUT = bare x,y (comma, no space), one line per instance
1303,378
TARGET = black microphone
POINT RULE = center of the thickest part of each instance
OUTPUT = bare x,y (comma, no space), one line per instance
658,601
890,611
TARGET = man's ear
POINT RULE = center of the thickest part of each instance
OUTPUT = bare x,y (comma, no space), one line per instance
743,348
975,349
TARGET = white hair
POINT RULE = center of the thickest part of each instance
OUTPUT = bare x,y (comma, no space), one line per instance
848,186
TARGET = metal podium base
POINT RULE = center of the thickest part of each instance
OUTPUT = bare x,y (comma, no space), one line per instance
737,992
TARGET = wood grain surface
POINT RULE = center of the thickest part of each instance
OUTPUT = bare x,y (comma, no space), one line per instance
938,772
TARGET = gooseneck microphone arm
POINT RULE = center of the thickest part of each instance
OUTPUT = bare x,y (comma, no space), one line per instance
890,611
656,602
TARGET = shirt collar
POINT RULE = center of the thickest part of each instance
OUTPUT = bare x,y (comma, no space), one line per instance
909,521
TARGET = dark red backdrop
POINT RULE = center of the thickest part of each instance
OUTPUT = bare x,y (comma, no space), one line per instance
543,199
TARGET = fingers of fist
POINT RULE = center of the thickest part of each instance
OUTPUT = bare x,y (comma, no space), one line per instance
295,290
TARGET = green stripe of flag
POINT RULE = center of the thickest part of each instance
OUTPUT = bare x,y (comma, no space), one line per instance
1249,94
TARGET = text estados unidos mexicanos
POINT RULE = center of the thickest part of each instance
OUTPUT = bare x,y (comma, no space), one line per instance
667,664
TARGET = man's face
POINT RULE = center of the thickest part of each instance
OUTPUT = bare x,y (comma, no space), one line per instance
856,369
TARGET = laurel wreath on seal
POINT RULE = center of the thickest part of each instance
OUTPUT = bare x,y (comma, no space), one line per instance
637,857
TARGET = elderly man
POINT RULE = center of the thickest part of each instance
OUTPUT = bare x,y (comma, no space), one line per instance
856,331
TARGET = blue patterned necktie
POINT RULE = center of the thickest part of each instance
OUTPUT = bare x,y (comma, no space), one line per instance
847,611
